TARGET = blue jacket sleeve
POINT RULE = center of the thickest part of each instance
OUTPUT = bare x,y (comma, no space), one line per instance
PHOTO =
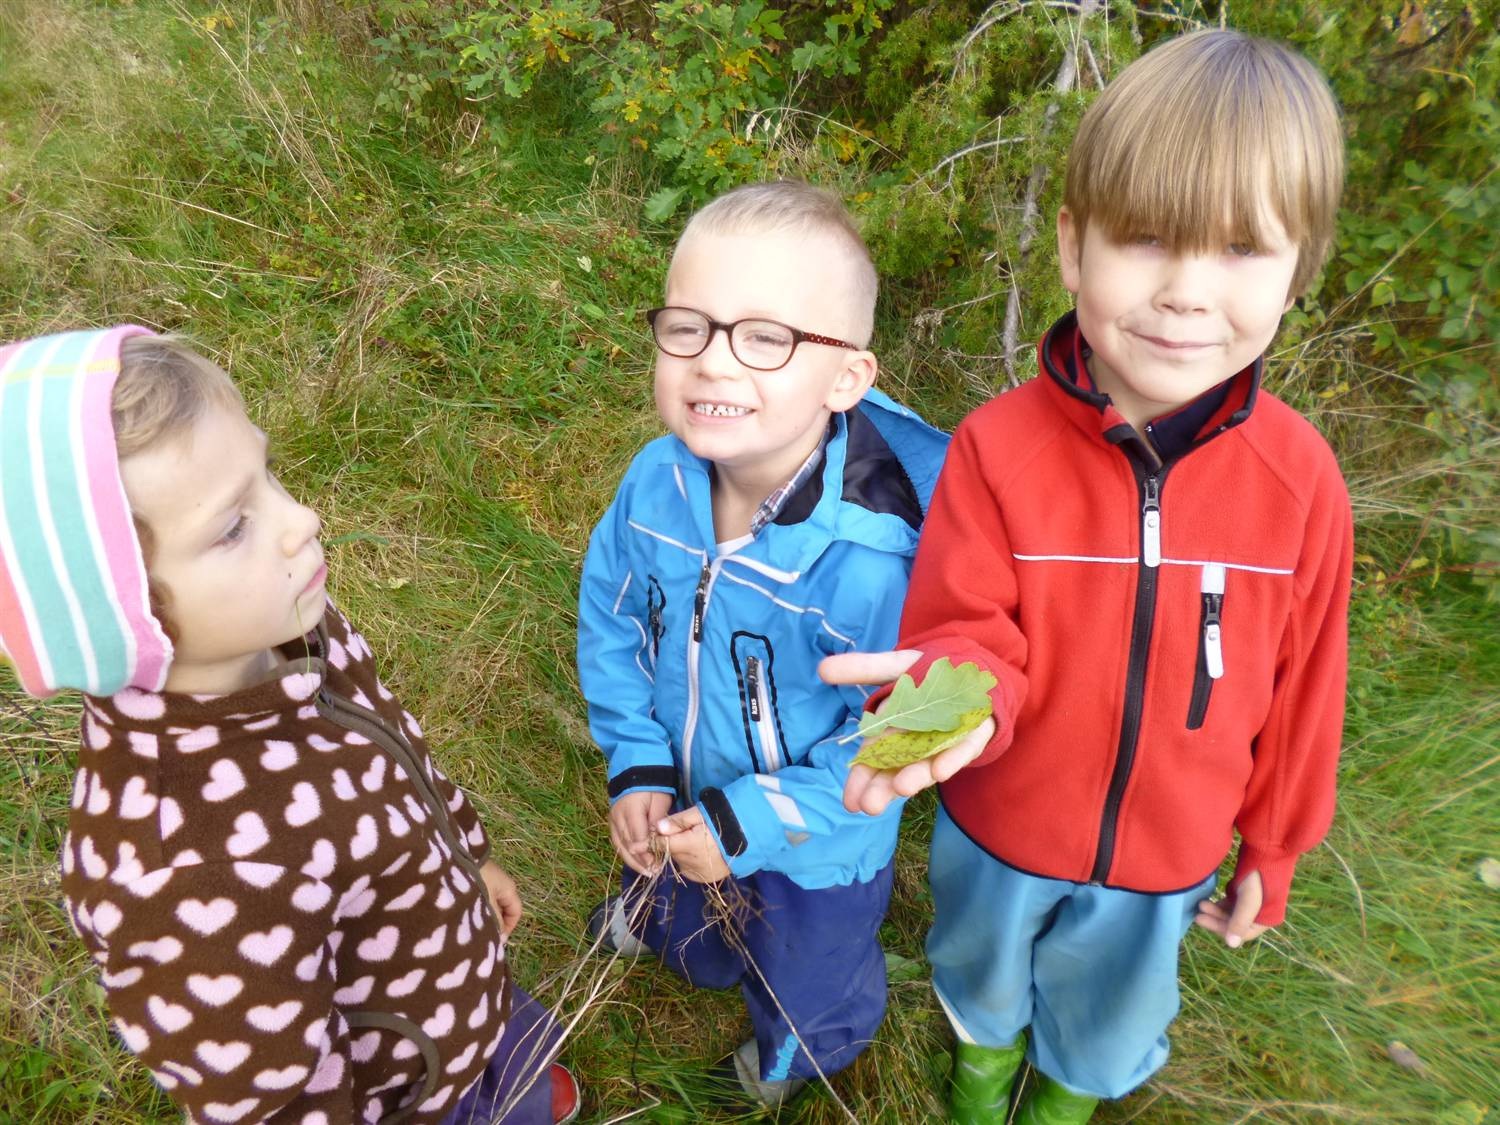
616,666
795,817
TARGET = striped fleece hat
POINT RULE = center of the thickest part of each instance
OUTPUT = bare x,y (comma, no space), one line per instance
74,606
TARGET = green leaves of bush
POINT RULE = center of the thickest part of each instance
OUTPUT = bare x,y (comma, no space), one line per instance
684,81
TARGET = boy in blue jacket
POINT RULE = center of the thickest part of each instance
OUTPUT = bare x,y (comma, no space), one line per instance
773,526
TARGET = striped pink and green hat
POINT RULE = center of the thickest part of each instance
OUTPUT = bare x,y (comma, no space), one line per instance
75,610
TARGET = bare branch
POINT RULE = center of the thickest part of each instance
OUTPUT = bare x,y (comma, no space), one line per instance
1067,78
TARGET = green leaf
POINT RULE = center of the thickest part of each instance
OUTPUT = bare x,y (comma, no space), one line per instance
896,748
945,695
661,204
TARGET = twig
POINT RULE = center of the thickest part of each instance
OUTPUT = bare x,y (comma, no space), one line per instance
1359,895
1067,78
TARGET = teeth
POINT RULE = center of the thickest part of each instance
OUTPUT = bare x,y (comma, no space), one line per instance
719,410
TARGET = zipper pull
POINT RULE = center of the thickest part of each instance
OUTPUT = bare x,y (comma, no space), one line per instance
752,687
700,600
1213,643
1151,523
1214,575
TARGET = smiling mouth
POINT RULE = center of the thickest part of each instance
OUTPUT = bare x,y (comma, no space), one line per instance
1176,345
719,410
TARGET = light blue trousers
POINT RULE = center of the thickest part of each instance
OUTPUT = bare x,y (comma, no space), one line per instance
1092,971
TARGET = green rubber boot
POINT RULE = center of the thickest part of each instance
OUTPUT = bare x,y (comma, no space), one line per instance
1052,1103
982,1081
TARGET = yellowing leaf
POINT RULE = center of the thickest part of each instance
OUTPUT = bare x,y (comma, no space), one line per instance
945,695
896,748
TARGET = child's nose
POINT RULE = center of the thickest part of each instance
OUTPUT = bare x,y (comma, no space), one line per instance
718,359
302,527
1187,284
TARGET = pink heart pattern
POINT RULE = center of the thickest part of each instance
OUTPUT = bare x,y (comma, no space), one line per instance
238,978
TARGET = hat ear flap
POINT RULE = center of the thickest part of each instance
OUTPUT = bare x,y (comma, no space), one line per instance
75,609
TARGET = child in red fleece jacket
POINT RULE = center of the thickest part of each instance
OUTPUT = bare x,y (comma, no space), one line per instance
1152,555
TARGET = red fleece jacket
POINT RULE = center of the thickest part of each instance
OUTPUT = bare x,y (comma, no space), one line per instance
1170,640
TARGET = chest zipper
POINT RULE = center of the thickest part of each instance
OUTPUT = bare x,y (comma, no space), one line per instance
1210,646
1135,672
758,698
695,646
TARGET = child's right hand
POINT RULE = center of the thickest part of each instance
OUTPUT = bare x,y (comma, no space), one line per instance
631,821
870,790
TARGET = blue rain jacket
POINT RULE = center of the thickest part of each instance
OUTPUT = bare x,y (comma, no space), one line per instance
700,670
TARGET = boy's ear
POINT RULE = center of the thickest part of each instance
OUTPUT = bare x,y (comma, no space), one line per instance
856,377
1069,250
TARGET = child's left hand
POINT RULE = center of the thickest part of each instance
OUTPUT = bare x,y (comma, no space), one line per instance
503,894
691,847
1238,925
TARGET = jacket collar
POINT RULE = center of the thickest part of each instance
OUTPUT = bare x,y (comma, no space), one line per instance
880,465
294,686
1093,412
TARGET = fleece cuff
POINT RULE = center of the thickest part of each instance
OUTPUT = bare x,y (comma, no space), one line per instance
1275,879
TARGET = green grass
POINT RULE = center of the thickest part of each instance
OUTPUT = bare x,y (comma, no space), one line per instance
442,339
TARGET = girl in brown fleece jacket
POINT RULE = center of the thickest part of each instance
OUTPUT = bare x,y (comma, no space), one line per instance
293,909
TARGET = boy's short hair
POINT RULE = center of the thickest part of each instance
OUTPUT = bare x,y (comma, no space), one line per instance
793,206
1212,117
163,388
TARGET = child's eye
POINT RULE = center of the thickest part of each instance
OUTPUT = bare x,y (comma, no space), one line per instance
236,531
1241,249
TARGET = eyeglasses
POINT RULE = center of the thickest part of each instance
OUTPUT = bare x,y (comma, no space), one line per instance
764,345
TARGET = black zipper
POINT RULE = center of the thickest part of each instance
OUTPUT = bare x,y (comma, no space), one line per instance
1203,678
351,716
1149,491
700,601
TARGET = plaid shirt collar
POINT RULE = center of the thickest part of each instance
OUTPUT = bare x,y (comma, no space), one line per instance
773,504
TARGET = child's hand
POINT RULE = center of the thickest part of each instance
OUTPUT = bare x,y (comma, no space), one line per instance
870,790
630,821
503,894
691,847
1237,925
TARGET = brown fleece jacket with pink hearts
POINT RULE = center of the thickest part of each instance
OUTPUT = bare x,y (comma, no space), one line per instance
283,893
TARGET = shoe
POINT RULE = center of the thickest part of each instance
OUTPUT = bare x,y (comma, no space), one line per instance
565,1099
607,925
1052,1103
739,1072
983,1078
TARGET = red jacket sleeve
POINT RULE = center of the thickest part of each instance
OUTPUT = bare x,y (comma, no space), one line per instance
962,601
1289,800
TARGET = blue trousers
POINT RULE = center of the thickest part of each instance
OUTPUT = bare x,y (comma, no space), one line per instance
1091,970
527,1049
808,962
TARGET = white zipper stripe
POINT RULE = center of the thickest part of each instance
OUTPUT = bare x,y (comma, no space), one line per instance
769,747
690,726
761,590
1131,561
643,529
787,576
786,809
621,597
1230,566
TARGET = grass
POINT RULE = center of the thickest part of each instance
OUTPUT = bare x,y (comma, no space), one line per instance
442,340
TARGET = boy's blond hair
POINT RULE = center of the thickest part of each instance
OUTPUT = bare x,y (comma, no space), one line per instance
1197,136
791,206
163,388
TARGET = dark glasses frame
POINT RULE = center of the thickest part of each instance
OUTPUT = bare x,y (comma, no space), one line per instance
798,336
